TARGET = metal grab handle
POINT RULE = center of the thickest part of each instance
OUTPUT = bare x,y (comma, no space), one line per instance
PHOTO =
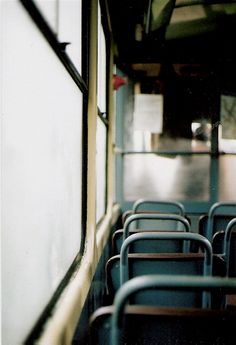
124,266
211,214
226,243
175,204
147,216
134,285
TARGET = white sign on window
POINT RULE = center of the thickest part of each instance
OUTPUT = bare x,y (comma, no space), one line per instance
148,113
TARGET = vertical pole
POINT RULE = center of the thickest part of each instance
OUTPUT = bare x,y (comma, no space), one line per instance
119,144
110,141
214,166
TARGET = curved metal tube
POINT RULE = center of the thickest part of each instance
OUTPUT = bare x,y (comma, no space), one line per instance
124,267
226,243
211,214
161,281
142,216
175,204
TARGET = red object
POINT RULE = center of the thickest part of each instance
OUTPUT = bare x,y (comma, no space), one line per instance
118,81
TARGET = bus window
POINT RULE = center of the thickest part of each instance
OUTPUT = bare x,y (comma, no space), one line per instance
101,169
101,134
41,170
167,134
227,124
227,145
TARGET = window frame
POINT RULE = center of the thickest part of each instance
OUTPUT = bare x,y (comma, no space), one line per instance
81,80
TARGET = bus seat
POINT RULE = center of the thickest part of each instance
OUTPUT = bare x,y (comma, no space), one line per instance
154,206
149,325
187,237
148,246
217,219
168,222
142,264
224,243
162,222
161,326
122,267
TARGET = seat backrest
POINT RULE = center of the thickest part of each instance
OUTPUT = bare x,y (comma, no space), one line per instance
158,206
154,221
144,264
217,219
154,206
149,325
224,243
190,237
148,246
121,268
152,325
167,282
